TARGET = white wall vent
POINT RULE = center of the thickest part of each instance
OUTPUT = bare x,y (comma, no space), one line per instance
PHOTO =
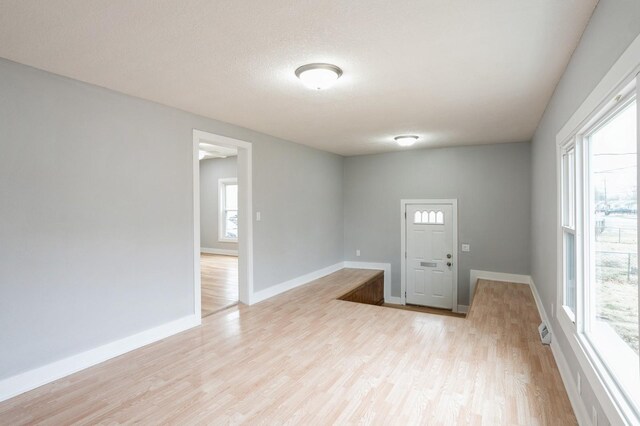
545,334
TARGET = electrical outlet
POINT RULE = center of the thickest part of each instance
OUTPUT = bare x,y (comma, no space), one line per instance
358,253
594,416
579,384
466,248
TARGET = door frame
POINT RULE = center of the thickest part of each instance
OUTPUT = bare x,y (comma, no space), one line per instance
403,245
245,215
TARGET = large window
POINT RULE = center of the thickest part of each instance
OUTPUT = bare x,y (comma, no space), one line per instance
598,239
611,293
228,211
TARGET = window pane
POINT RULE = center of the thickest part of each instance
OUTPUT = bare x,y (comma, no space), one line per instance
570,271
568,188
231,197
614,195
612,311
231,224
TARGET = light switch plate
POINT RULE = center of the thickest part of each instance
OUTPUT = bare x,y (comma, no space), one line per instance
258,217
466,248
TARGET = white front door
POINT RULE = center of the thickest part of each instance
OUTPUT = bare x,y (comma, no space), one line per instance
430,256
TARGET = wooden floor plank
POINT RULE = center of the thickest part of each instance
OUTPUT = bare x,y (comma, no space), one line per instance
218,283
306,358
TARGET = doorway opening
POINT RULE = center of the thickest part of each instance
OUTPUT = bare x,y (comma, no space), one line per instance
223,263
429,258
218,227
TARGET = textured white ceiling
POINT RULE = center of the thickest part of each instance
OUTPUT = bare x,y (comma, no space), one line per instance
455,72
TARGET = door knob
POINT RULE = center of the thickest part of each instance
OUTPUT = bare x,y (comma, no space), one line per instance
449,256
448,263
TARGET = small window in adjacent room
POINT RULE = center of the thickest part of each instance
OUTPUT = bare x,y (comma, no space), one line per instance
228,210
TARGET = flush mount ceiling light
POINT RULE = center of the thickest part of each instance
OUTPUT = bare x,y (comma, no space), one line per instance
318,76
406,140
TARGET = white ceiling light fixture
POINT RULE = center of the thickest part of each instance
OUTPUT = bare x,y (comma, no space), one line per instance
406,140
318,76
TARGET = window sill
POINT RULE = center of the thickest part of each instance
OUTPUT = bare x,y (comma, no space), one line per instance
612,353
616,406
227,240
566,320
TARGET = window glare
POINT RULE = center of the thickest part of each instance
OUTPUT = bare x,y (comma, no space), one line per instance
614,226
228,224
231,196
231,224
568,188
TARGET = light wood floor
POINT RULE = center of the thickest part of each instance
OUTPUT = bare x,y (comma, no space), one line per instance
219,282
306,358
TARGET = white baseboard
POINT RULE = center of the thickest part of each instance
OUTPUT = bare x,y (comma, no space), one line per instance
23,382
393,300
541,310
475,275
274,290
386,267
224,252
577,404
463,309
570,386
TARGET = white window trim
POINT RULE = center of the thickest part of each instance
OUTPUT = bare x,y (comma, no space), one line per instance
564,314
221,208
599,103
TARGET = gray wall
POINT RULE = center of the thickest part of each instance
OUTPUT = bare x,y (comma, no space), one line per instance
210,172
613,26
491,183
96,229
298,192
